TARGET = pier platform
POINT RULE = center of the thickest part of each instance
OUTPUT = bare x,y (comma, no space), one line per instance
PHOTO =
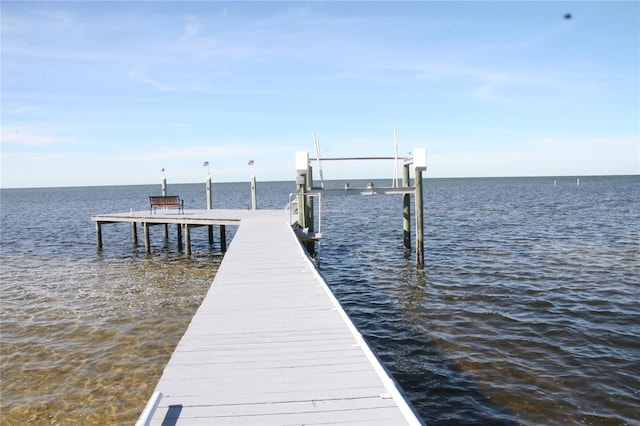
270,344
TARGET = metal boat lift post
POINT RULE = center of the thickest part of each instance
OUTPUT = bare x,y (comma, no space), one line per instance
305,187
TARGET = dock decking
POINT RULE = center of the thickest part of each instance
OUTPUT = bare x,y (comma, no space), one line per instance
270,344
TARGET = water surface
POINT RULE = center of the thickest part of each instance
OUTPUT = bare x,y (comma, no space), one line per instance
526,311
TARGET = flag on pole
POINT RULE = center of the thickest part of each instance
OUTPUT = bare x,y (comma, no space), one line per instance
206,164
250,163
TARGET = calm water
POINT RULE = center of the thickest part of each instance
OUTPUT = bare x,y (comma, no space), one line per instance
527,311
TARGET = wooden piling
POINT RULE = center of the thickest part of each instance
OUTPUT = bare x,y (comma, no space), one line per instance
309,202
302,169
187,239
309,219
147,243
99,235
406,212
179,231
419,221
134,232
419,165
223,238
301,182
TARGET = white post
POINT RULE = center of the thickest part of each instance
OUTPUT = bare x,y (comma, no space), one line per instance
302,169
254,201
208,188
164,194
209,203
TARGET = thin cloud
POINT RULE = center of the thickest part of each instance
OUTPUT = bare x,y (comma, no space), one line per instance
523,43
488,92
197,152
192,28
19,136
541,157
165,87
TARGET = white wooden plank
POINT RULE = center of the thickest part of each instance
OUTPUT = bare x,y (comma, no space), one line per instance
269,343
383,416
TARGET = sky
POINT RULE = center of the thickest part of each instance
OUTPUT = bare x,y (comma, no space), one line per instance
111,93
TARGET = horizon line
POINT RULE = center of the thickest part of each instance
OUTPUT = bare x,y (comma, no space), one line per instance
329,180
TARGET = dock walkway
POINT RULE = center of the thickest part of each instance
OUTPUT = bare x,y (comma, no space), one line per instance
270,344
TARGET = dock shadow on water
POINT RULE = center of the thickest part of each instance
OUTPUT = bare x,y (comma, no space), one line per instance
390,315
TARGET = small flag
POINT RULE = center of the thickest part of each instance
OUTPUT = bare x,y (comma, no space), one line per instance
250,163
206,164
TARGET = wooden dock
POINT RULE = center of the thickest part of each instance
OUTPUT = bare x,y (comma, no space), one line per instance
270,344
184,221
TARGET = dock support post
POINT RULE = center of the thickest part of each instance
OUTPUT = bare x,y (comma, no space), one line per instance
147,244
304,181
309,201
420,165
223,238
301,182
254,200
406,212
208,189
187,239
209,203
99,235
164,194
179,226
309,219
419,222
302,169
134,233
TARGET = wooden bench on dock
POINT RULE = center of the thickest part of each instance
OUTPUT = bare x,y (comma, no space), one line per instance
166,201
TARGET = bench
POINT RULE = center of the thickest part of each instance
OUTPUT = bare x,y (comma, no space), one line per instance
166,201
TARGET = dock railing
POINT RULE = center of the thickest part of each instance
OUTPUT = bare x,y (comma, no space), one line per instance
293,207
149,409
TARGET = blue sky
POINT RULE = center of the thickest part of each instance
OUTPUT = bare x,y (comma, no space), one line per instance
100,93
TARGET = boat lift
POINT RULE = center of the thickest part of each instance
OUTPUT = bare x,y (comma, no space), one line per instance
306,192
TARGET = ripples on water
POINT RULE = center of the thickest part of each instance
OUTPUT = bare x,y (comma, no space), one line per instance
85,335
526,311
81,342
